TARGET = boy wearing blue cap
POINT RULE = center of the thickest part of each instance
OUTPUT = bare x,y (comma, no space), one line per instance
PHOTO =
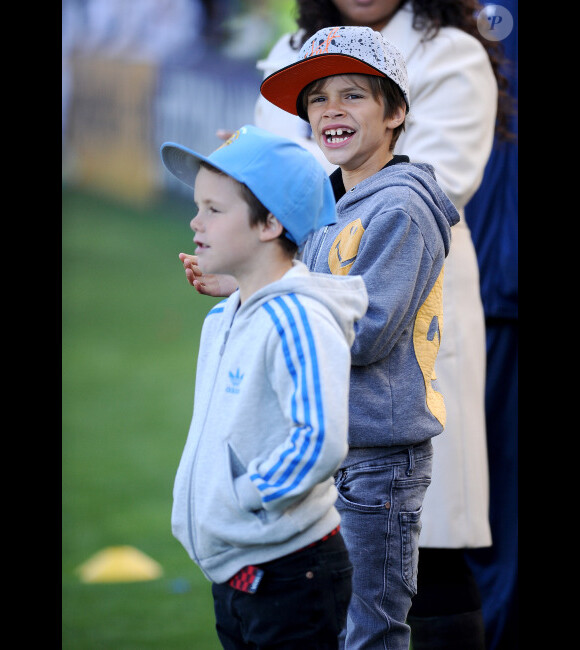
254,495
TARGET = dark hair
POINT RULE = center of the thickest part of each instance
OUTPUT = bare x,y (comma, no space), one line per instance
379,87
429,15
258,211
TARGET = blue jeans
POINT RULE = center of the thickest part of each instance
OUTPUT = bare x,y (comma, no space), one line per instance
300,604
380,504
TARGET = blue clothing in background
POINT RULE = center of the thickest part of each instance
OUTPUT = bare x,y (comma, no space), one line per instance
492,216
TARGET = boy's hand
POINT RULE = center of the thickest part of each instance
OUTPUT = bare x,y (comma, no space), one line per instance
215,285
224,134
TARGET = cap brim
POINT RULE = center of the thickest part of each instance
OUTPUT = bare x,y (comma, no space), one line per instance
182,162
284,86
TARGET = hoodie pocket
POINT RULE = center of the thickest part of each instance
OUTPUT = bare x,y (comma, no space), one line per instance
265,518
238,468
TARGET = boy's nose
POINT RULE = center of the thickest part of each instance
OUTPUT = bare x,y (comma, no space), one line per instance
333,110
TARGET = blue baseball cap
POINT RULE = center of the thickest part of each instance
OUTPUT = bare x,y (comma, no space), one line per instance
284,177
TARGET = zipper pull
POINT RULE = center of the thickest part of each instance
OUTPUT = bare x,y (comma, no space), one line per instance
224,343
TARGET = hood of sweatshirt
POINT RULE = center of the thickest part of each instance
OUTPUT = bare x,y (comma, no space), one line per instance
394,230
420,179
345,297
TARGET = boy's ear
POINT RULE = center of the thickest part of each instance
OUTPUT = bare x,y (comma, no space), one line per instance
397,118
272,229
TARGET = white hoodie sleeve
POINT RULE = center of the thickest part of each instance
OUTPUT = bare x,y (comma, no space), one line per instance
309,366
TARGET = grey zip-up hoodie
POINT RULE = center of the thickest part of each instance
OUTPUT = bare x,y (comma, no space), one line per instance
270,419
393,229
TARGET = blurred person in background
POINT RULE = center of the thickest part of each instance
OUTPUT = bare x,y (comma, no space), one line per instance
459,99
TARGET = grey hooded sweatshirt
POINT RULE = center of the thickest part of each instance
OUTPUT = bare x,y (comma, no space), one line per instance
393,229
270,419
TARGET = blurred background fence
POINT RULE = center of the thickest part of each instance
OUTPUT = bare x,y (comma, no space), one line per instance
137,73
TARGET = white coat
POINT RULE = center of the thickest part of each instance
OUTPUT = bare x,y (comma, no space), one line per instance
453,97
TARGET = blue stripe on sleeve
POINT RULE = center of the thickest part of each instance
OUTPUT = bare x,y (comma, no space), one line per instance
307,374
294,375
217,309
316,380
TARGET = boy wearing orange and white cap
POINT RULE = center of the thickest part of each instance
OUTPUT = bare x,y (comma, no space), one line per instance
393,229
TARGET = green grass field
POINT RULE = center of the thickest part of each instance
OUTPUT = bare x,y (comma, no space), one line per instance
130,329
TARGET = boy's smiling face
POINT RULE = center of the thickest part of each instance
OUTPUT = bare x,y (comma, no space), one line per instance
348,123
226,243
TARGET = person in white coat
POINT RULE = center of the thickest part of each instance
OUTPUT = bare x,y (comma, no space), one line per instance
453,82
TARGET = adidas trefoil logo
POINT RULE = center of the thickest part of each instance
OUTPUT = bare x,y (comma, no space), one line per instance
235,380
